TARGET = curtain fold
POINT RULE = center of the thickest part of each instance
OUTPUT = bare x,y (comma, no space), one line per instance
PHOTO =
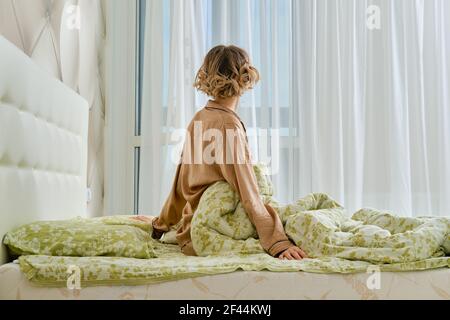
361,114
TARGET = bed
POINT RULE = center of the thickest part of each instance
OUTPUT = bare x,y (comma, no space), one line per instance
43,152
246,285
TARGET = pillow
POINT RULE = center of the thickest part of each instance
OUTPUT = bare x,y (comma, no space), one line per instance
118,236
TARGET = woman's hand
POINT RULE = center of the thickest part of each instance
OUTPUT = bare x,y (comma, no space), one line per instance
156,234
146,219
293,253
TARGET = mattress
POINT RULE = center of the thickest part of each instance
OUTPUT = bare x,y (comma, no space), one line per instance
430,284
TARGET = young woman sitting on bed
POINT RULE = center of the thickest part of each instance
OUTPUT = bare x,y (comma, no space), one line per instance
225,75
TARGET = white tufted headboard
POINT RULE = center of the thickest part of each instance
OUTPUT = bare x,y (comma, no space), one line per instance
43,145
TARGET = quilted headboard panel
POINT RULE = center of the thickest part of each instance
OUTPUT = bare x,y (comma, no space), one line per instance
43,145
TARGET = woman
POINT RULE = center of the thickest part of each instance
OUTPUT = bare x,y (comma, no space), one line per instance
225,75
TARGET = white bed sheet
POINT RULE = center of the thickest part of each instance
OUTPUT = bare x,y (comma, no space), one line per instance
432,284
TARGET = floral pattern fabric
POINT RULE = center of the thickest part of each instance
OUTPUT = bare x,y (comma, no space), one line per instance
104,236
52,271
320,226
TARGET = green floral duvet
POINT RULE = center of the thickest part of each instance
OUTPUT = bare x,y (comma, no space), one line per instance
320,226
226,241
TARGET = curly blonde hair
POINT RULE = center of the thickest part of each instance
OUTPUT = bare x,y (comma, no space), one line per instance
226,72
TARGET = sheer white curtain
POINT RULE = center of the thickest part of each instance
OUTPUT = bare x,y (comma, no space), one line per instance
362,114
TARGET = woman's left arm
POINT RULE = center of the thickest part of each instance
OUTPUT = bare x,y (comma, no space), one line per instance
237,170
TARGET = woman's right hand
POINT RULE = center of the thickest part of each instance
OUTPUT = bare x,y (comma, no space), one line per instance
146,219
293,253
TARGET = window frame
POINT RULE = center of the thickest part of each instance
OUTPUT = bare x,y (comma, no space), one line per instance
121,101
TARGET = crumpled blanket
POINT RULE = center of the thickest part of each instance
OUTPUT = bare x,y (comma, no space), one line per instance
320,226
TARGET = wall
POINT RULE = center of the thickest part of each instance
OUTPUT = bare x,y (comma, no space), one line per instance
67,38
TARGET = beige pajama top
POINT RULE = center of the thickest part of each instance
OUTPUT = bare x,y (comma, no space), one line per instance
193,177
